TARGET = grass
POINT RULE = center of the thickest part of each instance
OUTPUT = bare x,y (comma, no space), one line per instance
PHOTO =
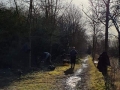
52,80
96,78
115,73
96,81
41,80
117,80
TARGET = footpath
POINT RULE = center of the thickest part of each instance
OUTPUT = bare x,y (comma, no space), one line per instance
87,77
78,81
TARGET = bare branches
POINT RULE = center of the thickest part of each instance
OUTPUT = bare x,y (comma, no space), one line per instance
105,2
16,7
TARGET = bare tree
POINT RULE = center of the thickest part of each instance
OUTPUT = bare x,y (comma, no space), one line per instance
114,16
16,7
95,22
107,23
72,26
30,24
104,6
50,9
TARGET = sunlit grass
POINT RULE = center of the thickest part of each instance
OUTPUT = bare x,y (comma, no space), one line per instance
96,79
46,80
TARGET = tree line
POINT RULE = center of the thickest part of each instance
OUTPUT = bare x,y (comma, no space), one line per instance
27,29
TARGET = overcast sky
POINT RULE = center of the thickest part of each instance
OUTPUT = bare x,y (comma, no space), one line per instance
79,3
85,4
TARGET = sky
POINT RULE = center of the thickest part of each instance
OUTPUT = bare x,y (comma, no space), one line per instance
81,4
85,4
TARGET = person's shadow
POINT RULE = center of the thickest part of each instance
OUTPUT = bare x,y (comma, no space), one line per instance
69,71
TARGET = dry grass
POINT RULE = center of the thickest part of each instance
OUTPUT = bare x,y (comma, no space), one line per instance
115,74
47,80
117,80
96,81
96,78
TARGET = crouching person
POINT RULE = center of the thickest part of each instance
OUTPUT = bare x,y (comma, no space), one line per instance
47,61
47,58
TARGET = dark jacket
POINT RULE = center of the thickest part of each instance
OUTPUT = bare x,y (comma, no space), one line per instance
73,53
103,62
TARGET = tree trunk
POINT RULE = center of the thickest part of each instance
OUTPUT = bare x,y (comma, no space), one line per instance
94,43
93,51
16,7
30,23
119,47
107,23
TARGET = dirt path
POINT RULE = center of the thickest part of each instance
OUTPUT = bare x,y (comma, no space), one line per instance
78,80
83,84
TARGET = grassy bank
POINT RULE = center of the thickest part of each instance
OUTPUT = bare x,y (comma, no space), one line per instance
96,79
47,80
115,74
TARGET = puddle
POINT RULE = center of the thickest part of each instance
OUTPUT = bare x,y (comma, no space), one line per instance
95,62
73,80
78,72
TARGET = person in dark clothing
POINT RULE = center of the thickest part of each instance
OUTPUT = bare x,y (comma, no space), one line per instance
103,63
73,54
46,61
47,58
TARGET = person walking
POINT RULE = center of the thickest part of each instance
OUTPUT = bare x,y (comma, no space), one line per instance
73,54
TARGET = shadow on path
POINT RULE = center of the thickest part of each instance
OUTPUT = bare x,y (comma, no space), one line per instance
69,71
